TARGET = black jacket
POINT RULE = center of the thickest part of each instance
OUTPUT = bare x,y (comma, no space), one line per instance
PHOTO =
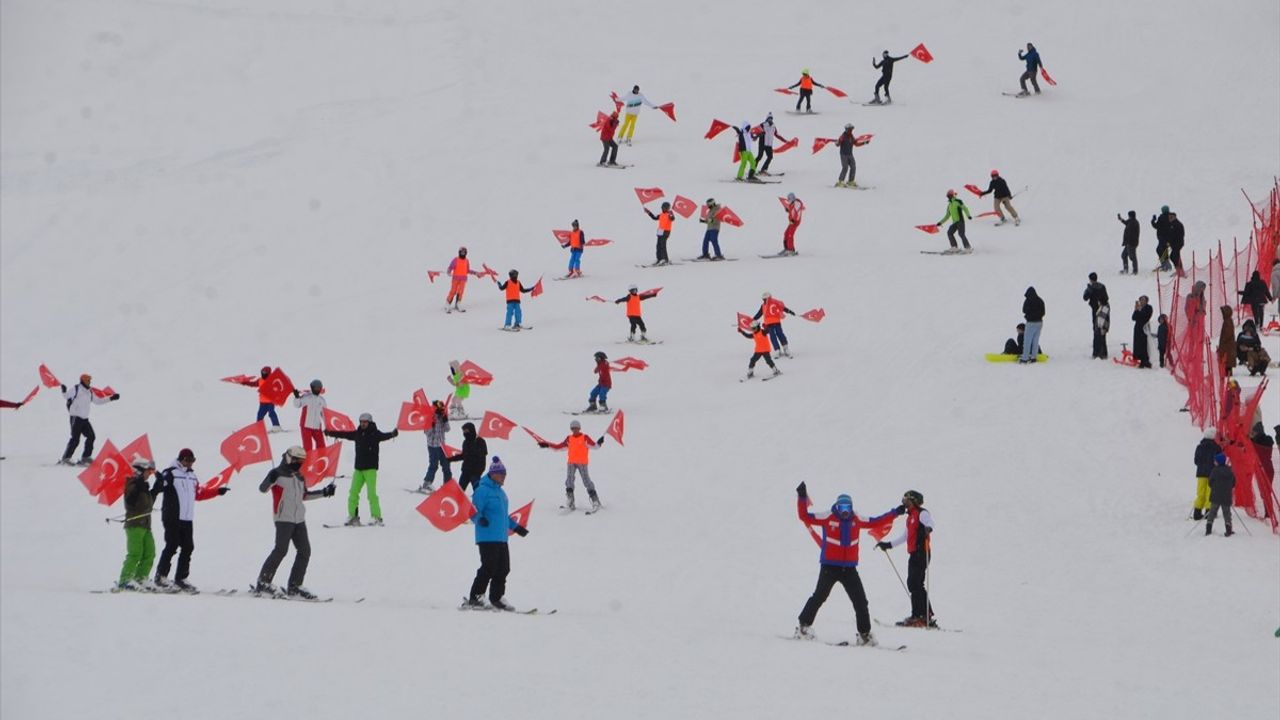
1140,318
1162,337
1132,228
1161,224
1033,306
1204,456
367,441
1255,291
999,187
1222,482
1095,293
474,454
1177,233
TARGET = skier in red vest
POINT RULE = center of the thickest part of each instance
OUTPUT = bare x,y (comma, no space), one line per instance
576,243
633,298
772,310
604,383
761,349
916,536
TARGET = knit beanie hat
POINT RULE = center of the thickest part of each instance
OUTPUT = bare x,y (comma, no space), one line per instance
497,468
1220,459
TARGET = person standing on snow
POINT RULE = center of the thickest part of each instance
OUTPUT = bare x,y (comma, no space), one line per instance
459,268
765,148
140,544
917,536
772,310
312,418
290,517
999,189
1033,312
579,446
1101,326
633,298
474,454
266,408
632,102
1256,295
604,383
367,438
1129,243
795,212
1095,293
1203,459
461,391
1227,342
711,238
806,83
1032,59
79,398
1163,227
610,152
1222,484
1266,475
181,490
885,66
666,220
839,560
493,524
575,245
956,213
745,157
512,287
1142,312
847,142
761,349
435,448
1162,337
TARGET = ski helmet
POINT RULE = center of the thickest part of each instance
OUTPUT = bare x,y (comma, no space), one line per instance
633,288
462,250
575,425
805,71
366,417
635,88
185,455
601,356
295,453
141,463
843,506
995,173
711,201
915,496
512,273
848,126
1210,433
575,223
791,197
766,296
951,193
86,378
1164,208
266,370
316,386
666,206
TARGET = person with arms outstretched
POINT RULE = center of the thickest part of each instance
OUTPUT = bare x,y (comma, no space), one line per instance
632,102
806,83
885,66
666,220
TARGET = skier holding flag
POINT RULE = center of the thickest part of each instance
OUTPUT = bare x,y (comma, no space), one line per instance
806,83
761,349
633,298
461,391
795,212
610,152
181,490
847,142
266,408
575,245
512,288
745,157
604,383
632,102
367,437
999,189
579,446
79,399
459,268
666,220
493,524
885,66
956,212
1032,58
916,536
772,310
765,144
290,516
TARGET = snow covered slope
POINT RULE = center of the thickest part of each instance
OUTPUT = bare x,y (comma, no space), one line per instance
194,189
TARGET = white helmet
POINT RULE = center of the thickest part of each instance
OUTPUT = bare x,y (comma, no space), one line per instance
766,296
575,425
295,453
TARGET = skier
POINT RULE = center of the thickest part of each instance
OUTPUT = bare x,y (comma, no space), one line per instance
956,212
1095,293
1141,316
290,517
1203,458
579,446
1227,342
459,268
806,83
493,525
795,212
1033,312
266,408
885,66
772,310
633,298
512,287
745,157
435,447
761,349
79,398
847,142
917,536
140,544
999,189
1222,483
1129,244
474,455
666,219
461,391
632,102
765,147
367,438
839,560
1032,59
312,419
576,243
1162,337
712,236
1256,295
1266,475
610,152
181,489
1162,225
604,383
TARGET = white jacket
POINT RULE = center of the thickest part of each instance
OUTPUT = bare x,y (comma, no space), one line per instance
185,483
80,398
768,131
631,103
312,410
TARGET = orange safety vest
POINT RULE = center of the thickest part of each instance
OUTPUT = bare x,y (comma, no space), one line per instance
461,268
665,222
513,291
578,451
575,239
262,392
806,82
633,305
762,342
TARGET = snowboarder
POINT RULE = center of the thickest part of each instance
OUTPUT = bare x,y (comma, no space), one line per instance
806,83
760,350
633,298
461,391
885,66
79,398
956,213
367,438
1095,293
1162,337
1033,312
772,310
266,408
711,238
632,102
1222,483
746,158
1207,448
290,517
311,421
181,490
459,268
435,447
604,383
765,144
512,287
140,544
493,524
1256,295
666,219
610,152
848,166
999,189
474,454
1032,58
576,243
917,536
579,446
838,559
1162,225
795,212
1141,317
1129,243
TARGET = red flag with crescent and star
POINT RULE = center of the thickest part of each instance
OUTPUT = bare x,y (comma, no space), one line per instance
246,446
494,425
334,420
521,517
277,387
615,427
448,507
414,417
47,377
321,463
217,481
107,466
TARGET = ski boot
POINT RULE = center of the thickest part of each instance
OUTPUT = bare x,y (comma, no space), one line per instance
162,584
967,250
1229,533
427,488
300,593
1197,514
1024,93
592,407
473,603
777,371
84,462
751,374
786,351
875,101
146,585
595,502
1000,222
911,622
353,521
604,406
185,587
128,586
377,522
277,429
568,500
65,461
840,184
1208,528
643,339
501,604
888,100
631,337
804,632
866,639
262,587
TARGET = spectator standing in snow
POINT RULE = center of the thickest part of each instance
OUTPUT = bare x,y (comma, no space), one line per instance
1256,295
1141,317
1222,483
1095,293
1203,459
1033,312
1162,338
1129,242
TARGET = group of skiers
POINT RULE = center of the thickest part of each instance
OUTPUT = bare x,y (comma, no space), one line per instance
1216,479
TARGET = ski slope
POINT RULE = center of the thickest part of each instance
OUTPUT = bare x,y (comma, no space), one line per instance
195,189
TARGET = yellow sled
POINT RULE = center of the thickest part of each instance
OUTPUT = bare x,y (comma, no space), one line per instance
1001,357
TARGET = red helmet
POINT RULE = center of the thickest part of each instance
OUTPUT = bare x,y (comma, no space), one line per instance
266,370
951,193
995,173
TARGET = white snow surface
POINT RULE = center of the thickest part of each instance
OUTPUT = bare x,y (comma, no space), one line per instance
194,189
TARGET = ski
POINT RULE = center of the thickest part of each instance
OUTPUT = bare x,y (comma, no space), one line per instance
588,412
449,309
876,104
940,252
640,342
770,174
1015,95
770,377
752,182
516,329
615,166
593,510
719,259
465,607
344,525
890,648
803,112
909,627
568,277
658,265
775,256
418,491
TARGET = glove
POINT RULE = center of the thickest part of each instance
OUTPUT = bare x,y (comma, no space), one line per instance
330,490
296,393
64,388
802,490
544,444
521,531
883,545
900,510
223,490
600,441
482,521
115,396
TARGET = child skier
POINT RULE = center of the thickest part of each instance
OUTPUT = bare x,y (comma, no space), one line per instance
1032,59
610,153
772,310
806,83
999,189
512,287
140,544
746,158
604,383
266,408
917,537
474,455
711,238
435,447
493,524
367,438
885,66
633,298
461,391
1203,459
795,212
761,352
459,268
956,213
1222,483
577,241
839,560
764,148
290,517
79,399
666,219
312,419
181,489
579,446
632,102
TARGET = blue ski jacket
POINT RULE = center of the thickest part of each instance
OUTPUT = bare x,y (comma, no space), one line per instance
492,521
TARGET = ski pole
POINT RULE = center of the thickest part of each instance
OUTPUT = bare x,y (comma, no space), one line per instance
1240,521
123,519
895,572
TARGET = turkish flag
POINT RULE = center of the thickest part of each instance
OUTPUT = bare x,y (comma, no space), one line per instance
931,229
784,91
278,387
648,195
669,109
837,92
819,143
633,363
921,53
597,242
882,528
217,481
238,379
321,463
521,517
104,393
31,394
717,127
989,213
493,425
814,315
536,437
432,275
744,322
863,139
334,420
448,507
615,427
617,102
488,271
562,236
420,398
601,118
105,467
415,417
537,289
113,481
729,217
974,189
1045,74
247,446
786,146
473,374
47,377
684,206
597,298
139,448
